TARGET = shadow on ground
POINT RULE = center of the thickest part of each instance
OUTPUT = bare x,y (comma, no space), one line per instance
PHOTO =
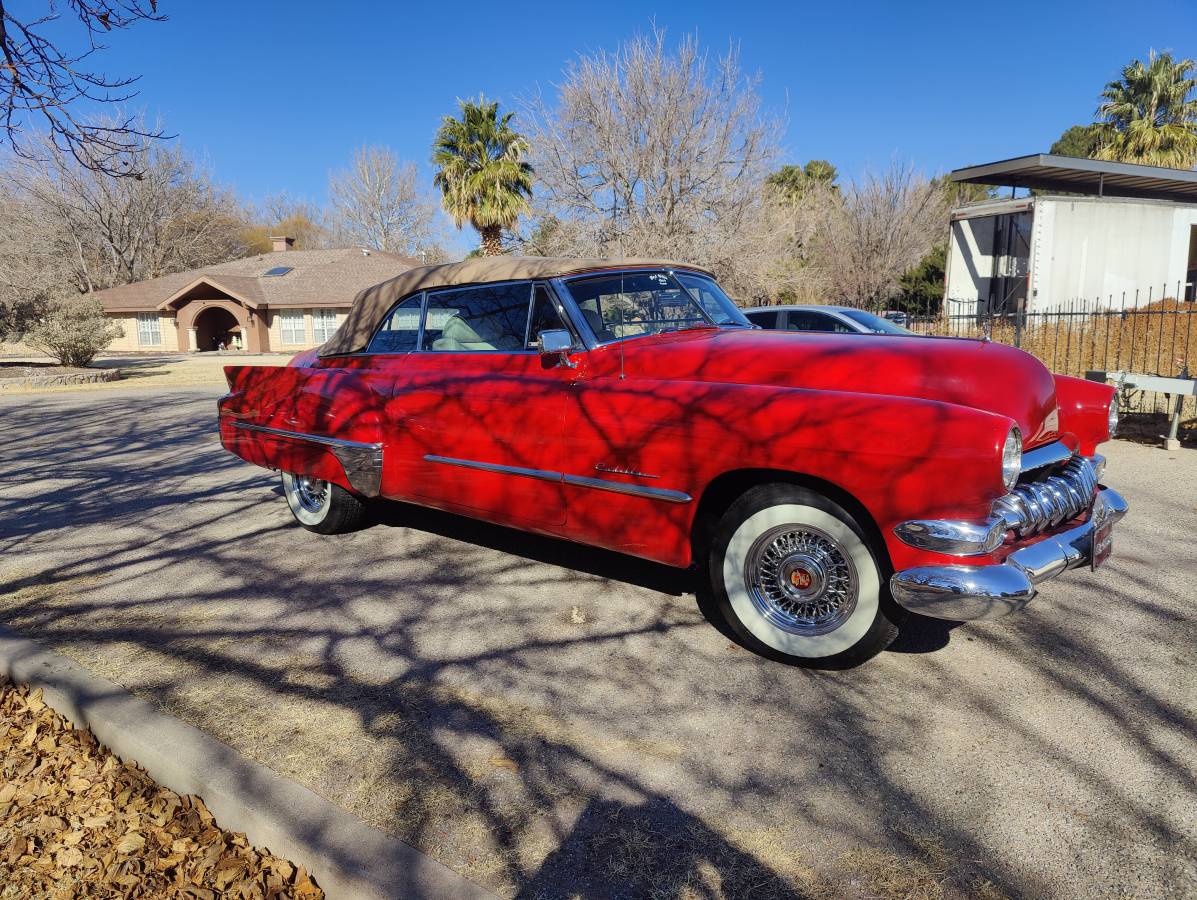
557,721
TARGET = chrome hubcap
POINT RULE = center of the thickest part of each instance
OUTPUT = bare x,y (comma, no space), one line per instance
801,579
312,493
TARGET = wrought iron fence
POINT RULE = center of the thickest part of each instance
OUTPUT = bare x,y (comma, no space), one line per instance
1150,332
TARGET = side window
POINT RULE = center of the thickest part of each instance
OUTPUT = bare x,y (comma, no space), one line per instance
401,329
544,314
764,319
492,317
814,321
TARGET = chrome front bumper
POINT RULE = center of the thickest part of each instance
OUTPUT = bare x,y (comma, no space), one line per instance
964,593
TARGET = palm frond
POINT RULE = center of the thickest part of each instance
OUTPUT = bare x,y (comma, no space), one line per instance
482,173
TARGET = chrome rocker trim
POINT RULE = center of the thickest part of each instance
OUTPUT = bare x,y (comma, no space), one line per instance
361,462
965,593
602,484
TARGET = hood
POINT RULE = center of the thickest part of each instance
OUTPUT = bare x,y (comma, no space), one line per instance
983,375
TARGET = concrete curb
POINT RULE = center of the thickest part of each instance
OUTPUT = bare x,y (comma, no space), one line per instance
347,857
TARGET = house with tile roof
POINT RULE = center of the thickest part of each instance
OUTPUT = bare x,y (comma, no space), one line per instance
286,300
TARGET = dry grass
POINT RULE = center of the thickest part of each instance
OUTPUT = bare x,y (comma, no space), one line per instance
199,370
77,822
1157,339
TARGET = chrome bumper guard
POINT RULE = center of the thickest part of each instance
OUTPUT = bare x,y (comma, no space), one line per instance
964,593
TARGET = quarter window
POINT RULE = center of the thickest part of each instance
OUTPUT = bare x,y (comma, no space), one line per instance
290,323
490,317
401,329
149,332
544,315
324,323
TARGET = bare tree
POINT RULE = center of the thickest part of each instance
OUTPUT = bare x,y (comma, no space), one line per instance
656,151
67,230
293,217
883,226
377,203
40,83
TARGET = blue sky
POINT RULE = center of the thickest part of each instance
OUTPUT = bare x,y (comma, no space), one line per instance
276,94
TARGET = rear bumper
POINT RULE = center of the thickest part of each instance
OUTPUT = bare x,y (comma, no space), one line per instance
964,593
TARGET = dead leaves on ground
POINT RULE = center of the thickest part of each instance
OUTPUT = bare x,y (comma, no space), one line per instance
77,822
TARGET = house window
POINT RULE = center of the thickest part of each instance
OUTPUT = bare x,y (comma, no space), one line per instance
324,323
290,323
149,334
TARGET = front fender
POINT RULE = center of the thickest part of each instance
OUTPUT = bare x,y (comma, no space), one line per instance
1084,410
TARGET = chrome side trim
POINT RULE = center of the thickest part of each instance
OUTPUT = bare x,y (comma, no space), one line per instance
602,484
361,462
541,474
1047,455
636,490
312,438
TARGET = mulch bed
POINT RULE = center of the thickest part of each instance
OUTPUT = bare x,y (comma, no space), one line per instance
77,822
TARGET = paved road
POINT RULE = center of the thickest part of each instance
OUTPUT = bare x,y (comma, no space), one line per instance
542,716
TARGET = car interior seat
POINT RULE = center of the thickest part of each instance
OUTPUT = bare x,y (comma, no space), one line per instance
595,321
478,334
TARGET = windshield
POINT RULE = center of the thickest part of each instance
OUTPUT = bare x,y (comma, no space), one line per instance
630,304
873,323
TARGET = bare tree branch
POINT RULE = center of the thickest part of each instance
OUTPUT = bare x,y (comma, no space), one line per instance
66,229
661,152
377,203
41,84
883,225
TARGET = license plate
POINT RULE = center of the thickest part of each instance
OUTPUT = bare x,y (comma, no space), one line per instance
1103,544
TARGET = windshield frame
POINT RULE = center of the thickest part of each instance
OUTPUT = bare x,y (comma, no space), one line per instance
591,340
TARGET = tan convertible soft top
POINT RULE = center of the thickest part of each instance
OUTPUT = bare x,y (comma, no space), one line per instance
372,304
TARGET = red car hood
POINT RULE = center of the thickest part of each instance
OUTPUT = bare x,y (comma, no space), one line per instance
979,374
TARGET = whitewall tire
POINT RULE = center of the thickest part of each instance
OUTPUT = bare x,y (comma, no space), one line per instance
321,506
795,577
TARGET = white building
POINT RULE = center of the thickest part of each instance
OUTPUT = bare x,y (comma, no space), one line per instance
1123,234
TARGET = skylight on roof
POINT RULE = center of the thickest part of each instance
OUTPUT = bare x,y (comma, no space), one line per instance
278,270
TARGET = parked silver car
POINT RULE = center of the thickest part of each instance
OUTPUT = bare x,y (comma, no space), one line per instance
842,319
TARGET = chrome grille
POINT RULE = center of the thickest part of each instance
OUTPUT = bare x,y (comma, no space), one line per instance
1049,500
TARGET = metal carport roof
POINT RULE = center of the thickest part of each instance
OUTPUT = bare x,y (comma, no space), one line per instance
1076,175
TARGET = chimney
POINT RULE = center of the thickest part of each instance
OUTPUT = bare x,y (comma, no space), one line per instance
279,243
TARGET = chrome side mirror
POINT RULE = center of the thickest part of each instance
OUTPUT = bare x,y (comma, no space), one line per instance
555,346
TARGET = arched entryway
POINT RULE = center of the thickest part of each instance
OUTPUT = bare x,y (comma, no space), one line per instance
217,329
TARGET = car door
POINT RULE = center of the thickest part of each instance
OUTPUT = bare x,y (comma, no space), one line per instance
476,418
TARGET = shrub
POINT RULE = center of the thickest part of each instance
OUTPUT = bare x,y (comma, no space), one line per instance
74,331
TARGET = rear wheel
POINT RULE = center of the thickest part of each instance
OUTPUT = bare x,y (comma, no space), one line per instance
321,506
795,579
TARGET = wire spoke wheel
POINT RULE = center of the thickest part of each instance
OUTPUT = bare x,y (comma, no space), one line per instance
311,493
801,579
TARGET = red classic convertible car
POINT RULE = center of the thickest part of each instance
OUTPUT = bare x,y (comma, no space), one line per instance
822,483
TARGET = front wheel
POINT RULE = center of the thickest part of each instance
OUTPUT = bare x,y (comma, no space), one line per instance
321,506
795,579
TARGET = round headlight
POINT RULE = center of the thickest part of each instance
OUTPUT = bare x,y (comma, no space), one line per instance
1113,419
1012,458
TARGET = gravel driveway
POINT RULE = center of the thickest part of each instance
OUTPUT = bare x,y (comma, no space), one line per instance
553,720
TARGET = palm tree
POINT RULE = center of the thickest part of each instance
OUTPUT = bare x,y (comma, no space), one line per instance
481,171
1147,116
